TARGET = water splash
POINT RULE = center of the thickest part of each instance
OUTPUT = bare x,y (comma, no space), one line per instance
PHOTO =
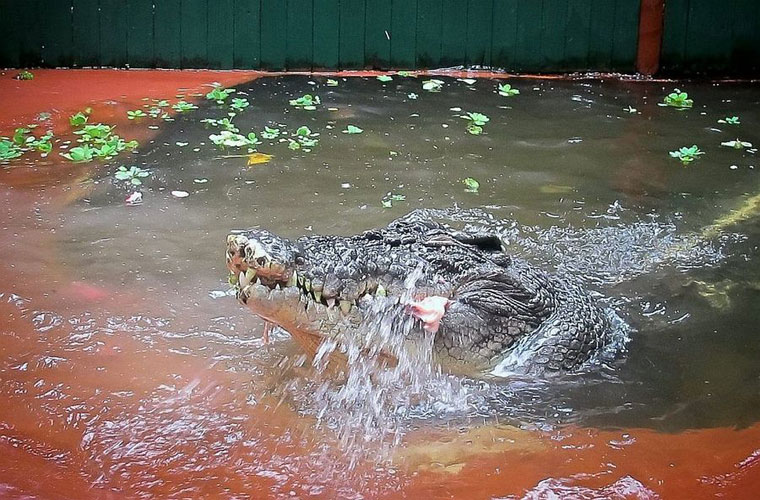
370,408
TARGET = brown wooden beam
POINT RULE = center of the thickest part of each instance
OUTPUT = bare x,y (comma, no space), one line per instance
651,16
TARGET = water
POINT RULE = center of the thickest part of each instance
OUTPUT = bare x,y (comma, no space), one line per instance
123,359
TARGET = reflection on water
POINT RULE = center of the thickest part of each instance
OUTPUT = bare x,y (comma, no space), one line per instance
123,360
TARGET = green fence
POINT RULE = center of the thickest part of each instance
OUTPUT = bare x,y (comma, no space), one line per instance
709,36
520,35
517,35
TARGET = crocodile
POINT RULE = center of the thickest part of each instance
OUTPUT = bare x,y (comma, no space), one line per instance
479,303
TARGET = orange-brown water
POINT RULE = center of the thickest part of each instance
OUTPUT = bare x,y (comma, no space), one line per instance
103,415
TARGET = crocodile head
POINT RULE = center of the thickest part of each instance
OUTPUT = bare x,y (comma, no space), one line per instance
328,287
462,288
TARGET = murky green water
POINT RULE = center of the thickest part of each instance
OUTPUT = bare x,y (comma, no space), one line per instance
572,181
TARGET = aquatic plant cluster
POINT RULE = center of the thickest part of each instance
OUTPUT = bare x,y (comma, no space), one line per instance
97,141
687,154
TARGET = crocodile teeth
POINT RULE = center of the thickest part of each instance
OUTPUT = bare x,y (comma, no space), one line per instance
380,292
243,280
345,306
317,296
307,285
292,280
331,302
300,279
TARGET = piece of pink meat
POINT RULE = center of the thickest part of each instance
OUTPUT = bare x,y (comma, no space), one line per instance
429,310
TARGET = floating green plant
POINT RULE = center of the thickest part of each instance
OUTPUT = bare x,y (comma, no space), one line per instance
270,133
132,174
303,138
730,120
677,99
471,185
388,199
227,138
385,78
80,118
332,83
80,154
239,103
307,101
476,122
25,75
736,144
687,154
506,90
138,113
219,94
432,85
9,150
352,129
184,107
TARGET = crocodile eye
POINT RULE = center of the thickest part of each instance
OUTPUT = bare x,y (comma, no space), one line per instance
261,261
299,260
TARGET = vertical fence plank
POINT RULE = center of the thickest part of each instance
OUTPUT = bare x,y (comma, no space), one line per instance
274,34
625,35
602,27
30,52
166,29
377,44
86,33
479,32
57,33
553,34
351,37
220,30
709,35
744,57
428,33
528,48
578,34
504,39
453,33
300,21
326,34
113,33
10,42
674,33
403,34
140,33
247,34
193,33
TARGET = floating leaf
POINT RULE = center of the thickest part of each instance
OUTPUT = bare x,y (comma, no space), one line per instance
730,120
471,185
432,85
351,129
677,99
687,154
385,78
257,158
506,90
332,83
180,194
737,144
